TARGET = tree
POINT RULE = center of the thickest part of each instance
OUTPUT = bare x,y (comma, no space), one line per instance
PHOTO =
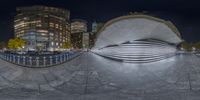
66,45
186,46
16,43
197,45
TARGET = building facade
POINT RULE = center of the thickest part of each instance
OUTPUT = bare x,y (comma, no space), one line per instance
76,40
44,28
92,36
85,40
78,26
79,34
96,26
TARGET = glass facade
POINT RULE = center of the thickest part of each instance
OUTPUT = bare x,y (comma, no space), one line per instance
49,26
78,26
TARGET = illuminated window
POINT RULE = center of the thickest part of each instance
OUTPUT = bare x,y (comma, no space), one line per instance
57,26
51,34
51,24
38,25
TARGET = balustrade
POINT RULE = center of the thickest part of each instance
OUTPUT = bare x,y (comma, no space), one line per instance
38,61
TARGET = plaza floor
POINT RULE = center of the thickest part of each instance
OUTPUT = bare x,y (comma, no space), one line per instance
92,77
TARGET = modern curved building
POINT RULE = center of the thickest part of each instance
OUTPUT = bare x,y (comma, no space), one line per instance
137,38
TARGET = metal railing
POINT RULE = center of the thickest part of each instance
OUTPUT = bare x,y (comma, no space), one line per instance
39,61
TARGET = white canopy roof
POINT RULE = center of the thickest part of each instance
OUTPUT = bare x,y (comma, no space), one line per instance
135,27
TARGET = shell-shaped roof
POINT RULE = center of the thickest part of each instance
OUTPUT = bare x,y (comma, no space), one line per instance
136,27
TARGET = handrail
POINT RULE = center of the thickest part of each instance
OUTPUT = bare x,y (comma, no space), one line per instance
39,61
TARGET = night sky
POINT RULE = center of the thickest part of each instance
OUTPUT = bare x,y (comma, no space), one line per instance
184,14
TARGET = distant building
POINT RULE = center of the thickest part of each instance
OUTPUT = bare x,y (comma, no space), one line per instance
76,40
78,26
44,28
79,33
85,40
96,26
92,36
92,39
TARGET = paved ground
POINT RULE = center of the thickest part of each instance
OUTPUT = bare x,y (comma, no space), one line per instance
92,77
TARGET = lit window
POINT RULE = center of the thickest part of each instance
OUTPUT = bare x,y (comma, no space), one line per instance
57,26
51,34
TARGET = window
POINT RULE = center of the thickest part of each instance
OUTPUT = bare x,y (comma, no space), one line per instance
51,24
57,26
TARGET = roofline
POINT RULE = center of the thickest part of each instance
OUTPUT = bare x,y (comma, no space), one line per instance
23,7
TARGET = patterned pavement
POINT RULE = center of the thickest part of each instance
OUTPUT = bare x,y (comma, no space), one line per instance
92,77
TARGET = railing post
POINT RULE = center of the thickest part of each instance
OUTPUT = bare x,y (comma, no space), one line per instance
61,58
30,61
13,58
44,59
67,56
51,60
24,60
6,56
37,61
18,59
64,57
10,58
56,59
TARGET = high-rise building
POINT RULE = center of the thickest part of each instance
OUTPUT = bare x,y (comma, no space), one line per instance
78,33
78,26
85,40
96,26
44,28
76,40
92,36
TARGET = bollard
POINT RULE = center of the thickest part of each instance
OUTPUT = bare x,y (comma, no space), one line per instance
44,59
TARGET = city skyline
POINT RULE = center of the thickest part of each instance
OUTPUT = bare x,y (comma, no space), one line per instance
182,14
